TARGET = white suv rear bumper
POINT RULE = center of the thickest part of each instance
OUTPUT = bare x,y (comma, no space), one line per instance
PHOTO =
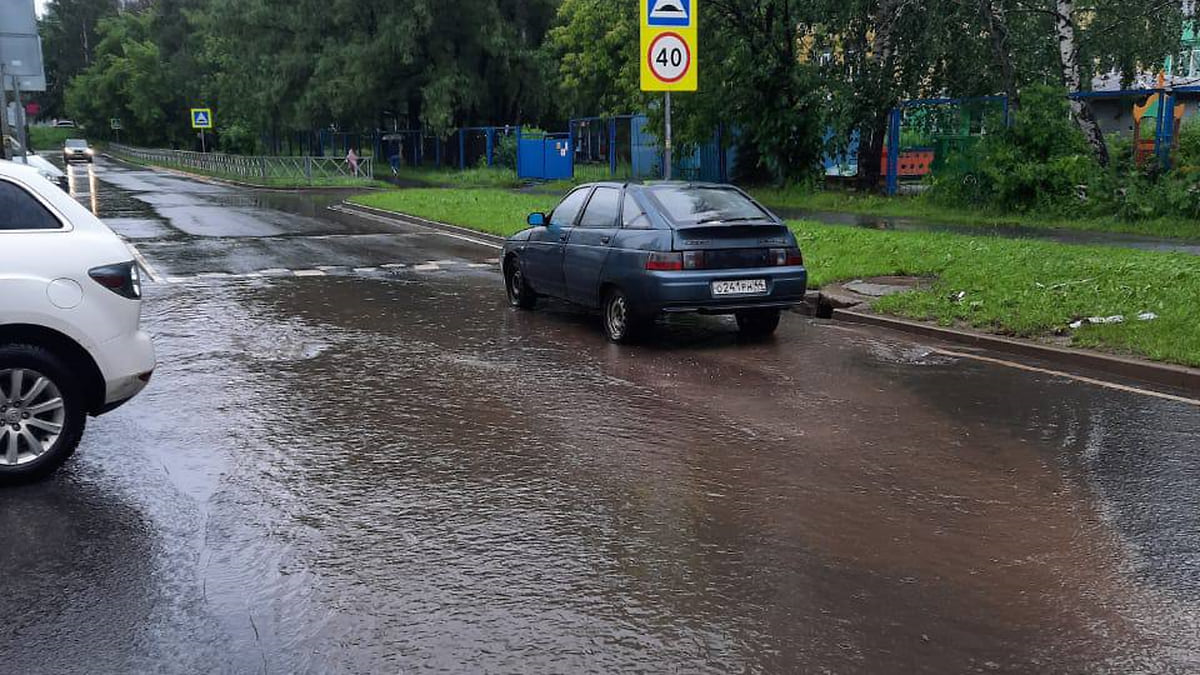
126,363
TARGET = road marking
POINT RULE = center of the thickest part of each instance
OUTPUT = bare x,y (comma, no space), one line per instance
1070,376
143,263
325,270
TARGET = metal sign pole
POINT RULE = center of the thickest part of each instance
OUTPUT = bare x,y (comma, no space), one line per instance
4,131
667,143
20,117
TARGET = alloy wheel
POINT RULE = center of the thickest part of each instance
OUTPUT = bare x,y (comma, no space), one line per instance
32,415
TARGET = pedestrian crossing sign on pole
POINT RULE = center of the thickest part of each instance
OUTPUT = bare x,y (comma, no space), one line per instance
202,118
669,45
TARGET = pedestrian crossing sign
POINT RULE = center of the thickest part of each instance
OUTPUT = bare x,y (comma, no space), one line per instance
202,118
669,13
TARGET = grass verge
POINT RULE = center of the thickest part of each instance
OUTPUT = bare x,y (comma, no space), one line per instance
495,211
1022,288
922,208
49,139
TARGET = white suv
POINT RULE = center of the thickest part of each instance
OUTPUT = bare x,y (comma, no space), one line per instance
70,308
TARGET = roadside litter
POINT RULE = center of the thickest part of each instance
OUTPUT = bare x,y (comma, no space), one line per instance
1101,320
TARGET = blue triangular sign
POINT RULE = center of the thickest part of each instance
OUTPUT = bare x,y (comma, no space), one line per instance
670,13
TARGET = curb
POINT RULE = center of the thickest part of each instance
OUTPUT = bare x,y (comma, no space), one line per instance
1167,375
235,183
406,219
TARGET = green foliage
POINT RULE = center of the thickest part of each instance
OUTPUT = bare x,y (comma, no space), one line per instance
48,139
595,44
126,80
1039,163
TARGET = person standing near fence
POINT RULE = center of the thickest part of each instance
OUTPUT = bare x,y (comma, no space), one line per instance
352,162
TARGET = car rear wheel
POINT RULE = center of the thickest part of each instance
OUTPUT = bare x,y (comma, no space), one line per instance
758,323
520,295
41,413
622,322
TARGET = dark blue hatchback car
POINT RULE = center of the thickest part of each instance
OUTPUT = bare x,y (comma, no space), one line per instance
636,251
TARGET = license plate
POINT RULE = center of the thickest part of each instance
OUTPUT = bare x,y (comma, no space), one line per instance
740,287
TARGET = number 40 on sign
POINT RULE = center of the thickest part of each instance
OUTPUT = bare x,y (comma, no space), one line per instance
669,45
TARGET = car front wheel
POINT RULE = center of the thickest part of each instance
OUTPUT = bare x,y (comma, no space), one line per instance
41,413
758,323
520,295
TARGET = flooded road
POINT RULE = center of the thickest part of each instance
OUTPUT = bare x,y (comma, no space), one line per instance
380,467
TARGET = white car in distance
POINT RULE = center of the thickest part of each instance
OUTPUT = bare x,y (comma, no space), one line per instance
70,312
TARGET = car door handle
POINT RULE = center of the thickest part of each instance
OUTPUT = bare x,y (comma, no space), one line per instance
563,237
605,240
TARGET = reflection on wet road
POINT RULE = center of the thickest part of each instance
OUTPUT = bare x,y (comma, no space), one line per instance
397,473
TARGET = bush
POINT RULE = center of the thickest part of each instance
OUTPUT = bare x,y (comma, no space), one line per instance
1039,163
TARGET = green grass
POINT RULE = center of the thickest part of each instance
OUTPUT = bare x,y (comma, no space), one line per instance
499,177
923,208
1022,288
495,177
48,139
500,212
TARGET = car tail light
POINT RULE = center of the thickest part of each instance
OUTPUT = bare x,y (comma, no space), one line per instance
121,278
693,260
665,262
781,257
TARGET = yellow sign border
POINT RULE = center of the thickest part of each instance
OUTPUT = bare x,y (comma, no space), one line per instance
649,81
203,110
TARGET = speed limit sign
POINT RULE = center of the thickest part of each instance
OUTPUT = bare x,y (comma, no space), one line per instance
669,45
670,57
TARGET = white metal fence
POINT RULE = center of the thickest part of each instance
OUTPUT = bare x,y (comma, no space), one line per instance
261,168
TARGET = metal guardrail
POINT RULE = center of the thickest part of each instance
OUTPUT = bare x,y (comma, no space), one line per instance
263,168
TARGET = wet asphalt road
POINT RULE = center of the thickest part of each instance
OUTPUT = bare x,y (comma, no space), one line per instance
388,470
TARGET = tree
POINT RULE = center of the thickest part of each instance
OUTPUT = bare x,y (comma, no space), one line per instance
69,38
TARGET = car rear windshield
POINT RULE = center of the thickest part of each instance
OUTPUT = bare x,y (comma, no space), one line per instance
695,205
76,143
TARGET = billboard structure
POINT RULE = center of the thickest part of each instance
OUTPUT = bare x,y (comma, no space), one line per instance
21,67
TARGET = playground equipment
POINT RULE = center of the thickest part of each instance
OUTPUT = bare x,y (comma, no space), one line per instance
942,125
1167,116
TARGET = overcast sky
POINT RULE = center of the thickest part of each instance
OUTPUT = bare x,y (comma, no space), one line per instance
41,6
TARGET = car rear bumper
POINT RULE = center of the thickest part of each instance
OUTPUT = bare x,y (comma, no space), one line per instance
127,364
691,291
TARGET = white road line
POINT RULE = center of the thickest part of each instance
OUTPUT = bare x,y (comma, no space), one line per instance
176,280
274,271
308,273
366,270
143,263
1078,378
393,266
434,230
427,268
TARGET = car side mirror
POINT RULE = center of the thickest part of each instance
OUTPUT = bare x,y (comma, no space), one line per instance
536,219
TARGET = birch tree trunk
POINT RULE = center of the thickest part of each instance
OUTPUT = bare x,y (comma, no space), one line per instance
1068,53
